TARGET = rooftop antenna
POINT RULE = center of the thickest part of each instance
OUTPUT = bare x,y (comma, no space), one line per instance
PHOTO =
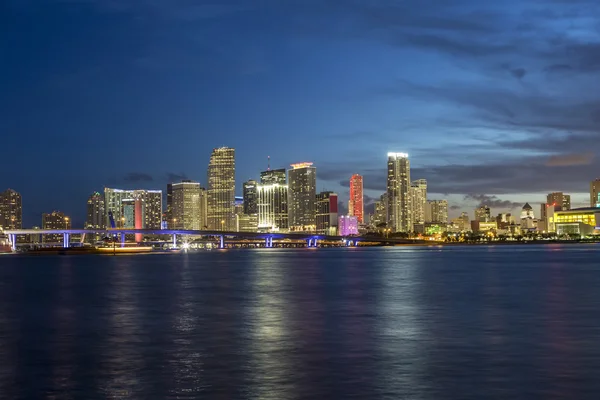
268,163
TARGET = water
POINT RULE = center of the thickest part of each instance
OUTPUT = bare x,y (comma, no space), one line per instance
499,322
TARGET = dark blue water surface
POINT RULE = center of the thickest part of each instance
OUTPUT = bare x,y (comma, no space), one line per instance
504,322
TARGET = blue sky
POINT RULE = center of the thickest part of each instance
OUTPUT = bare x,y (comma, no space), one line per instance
496,102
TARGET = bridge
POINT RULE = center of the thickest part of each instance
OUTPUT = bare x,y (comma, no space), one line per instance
311,239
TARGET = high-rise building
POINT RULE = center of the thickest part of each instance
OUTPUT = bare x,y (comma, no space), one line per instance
527,212
250,197
560,201
348,225
169,211
95,218
462,223
150,201
398,193
419,200
327,213
302,192
595,193
381,209
186,205
221,189
436,211
272,204
483,214
355,204
55,220
271,176
11,210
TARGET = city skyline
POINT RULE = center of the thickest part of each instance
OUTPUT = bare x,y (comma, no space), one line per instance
480,121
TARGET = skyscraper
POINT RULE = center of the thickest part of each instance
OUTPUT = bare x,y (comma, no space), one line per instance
95,218
11,210
302,194
150,205
483,214
381,209
221,189
273,176
560,201
187,205
355,204
595,193
419,200
55,220
169,211
436,211
250,197
327,213
398,193
272,204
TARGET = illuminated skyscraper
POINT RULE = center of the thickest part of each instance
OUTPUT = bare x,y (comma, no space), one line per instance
381,209
11,210
221,189
302,197
149,200
348,225
595,193
272,207
560,201
271,176
355,204
250,197
95,212
419,200
436,211
56,220
187,205
483,214
398,193
169,211
327,213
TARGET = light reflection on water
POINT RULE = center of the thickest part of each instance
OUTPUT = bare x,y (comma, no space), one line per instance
420,323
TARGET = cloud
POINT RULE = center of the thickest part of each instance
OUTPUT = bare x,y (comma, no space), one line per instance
134,177
491,201
569,160
518,73
174,177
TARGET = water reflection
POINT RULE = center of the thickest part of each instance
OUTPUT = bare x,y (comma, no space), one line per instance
270,338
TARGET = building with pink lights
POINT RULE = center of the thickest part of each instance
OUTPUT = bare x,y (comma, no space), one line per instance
348,225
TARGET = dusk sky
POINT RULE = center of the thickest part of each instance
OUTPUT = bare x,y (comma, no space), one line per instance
496,102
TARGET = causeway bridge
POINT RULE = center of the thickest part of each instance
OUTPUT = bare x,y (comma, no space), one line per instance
311,239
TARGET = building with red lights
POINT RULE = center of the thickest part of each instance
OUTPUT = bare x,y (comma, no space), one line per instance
355,204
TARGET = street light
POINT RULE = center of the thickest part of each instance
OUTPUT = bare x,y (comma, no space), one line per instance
66,222
122,222
222,224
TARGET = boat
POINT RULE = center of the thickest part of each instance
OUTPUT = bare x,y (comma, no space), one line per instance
5,246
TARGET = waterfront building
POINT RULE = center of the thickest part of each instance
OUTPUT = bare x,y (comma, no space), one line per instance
559,200
150,204
483,213
355,204
581,221
221,189
247,222
398,193
168,215
250,196
381,209
436,211
462,223
187,210
419,201
95,218
56,220
595,193
348,225
302,192
11,210
327,213
272,205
